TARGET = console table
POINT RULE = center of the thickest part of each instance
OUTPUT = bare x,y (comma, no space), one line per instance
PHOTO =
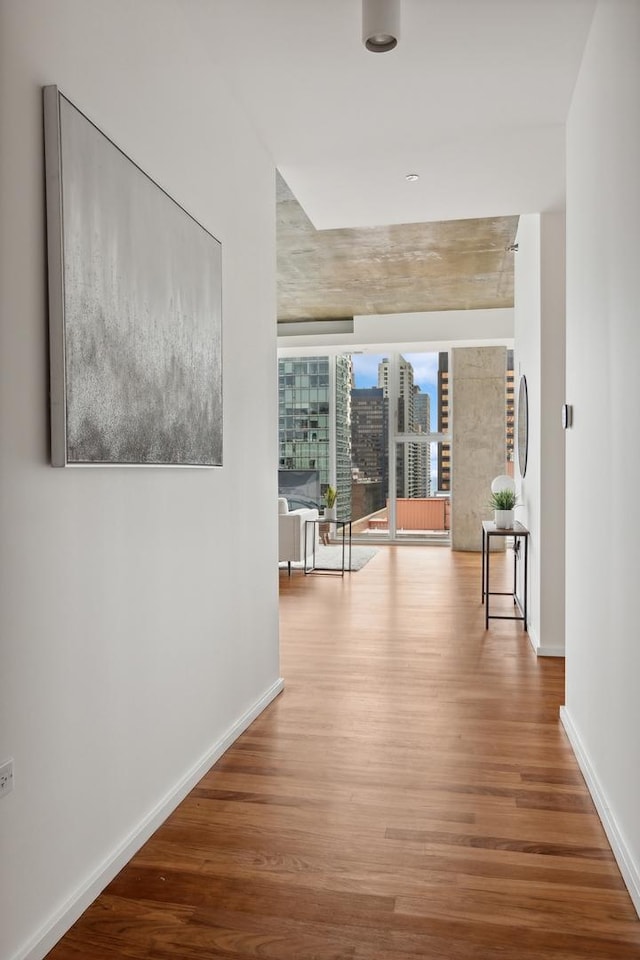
520,536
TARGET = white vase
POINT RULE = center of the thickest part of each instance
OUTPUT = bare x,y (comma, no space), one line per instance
330,514
503,519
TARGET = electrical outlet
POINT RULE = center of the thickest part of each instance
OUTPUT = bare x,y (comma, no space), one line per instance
6,777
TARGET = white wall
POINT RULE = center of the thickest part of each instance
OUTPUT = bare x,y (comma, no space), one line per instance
602,713
527,361
552,436
128,647
431,330
539,355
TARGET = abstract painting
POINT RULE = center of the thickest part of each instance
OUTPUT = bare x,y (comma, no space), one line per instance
135,308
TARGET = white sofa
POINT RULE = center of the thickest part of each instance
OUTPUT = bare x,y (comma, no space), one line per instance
291,533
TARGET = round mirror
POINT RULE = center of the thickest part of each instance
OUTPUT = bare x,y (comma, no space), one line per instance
523,426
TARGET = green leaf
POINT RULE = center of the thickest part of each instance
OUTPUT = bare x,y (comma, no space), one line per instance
503,500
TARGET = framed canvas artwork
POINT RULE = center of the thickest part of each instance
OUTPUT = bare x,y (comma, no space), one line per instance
135,309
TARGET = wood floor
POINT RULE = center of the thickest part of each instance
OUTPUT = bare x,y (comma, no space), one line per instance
410,795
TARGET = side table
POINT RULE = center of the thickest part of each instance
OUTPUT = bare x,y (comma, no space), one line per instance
343,526
520,536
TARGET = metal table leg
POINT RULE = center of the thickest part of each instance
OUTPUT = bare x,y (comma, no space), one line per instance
488,589
526,561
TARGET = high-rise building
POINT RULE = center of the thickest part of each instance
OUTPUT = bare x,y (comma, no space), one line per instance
369,450
510,411
422,424
369,443
444,449
342,420
307,412
304,408
405,391
421,411
407,468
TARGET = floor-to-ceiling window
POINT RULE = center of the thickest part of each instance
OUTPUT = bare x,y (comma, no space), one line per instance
421,509
376,426
417,508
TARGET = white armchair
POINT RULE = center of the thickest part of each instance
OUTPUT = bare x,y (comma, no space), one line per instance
291,533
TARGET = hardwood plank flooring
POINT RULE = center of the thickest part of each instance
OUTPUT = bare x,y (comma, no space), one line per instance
410,795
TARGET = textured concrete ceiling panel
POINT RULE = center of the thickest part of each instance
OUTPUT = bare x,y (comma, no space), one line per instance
402,268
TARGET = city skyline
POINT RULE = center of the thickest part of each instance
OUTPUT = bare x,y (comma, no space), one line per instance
425,375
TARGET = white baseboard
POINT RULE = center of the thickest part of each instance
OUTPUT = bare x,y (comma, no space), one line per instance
543,650
533,638
48,935
628,868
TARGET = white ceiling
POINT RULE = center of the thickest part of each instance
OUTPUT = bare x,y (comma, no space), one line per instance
474,99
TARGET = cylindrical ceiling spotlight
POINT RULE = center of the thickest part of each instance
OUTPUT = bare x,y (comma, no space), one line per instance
380,24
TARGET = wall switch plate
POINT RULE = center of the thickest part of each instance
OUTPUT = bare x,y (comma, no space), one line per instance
6,777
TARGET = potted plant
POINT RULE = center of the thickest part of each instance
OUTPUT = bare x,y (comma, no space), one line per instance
330,497
503,502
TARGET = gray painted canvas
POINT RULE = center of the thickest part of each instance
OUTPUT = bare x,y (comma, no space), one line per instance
141,316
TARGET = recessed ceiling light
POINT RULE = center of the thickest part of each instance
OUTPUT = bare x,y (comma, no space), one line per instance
412,177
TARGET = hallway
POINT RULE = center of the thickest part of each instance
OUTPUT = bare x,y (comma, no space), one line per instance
410,795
